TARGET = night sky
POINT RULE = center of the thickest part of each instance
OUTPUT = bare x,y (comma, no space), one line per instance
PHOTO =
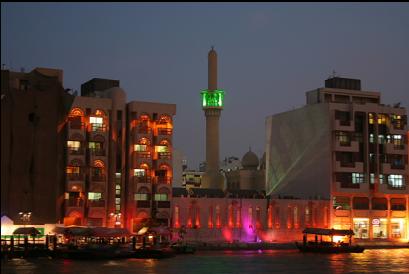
269,56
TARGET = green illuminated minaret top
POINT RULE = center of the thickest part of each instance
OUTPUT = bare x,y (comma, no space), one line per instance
212,97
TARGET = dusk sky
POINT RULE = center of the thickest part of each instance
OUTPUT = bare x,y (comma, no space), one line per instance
269,56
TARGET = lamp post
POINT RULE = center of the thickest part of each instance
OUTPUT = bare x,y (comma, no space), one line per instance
25,216
117,217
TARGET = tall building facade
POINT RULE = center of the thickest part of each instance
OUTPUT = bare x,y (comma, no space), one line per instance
348,147
34,106
119,160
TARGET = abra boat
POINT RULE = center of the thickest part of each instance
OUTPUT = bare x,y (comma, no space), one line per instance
328,247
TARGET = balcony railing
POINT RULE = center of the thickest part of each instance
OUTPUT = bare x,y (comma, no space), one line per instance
163,180
142,129
164,131
143,204
98,178
75,151
97,151
74,202
398,187
164,155
349,185
143,180
163,204
96,203
143,154
75,176
98,127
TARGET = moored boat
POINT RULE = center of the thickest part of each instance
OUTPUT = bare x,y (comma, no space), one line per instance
331,246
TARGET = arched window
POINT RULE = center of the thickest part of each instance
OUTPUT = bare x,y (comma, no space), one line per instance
143,147
75,112
75,118
164,125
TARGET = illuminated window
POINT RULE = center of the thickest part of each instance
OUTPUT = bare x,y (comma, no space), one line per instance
95,120
161,197
141,197
381,179
73,169
397,140
395,180
117,201
74,145
94,195
381,119
117,189
372,178
138,172
161,149
95,145
370,118
381,139
343,137
141,148
118,208
358,178
371,138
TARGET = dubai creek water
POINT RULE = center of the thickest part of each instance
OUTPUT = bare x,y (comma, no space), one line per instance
224,262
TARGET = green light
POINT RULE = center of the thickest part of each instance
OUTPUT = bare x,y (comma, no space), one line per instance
212,99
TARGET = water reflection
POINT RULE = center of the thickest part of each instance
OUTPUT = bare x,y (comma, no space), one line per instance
257,261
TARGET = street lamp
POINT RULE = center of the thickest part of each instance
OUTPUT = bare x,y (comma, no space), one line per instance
117,217
25,216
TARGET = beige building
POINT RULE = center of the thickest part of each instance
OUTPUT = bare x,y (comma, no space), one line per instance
348,147
119,165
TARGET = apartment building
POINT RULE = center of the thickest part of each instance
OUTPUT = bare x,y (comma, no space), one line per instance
348,147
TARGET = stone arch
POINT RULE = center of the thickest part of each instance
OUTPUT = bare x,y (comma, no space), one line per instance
164,119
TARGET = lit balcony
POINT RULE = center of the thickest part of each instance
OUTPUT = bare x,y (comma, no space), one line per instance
352,146
357,167
387,168
395,149
344,125
142,154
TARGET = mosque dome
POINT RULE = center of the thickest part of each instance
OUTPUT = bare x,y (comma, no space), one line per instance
250,160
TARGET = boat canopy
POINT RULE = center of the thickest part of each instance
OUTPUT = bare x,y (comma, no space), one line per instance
92,231
26,231
329,232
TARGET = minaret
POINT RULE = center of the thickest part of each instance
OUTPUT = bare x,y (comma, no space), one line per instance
212,103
